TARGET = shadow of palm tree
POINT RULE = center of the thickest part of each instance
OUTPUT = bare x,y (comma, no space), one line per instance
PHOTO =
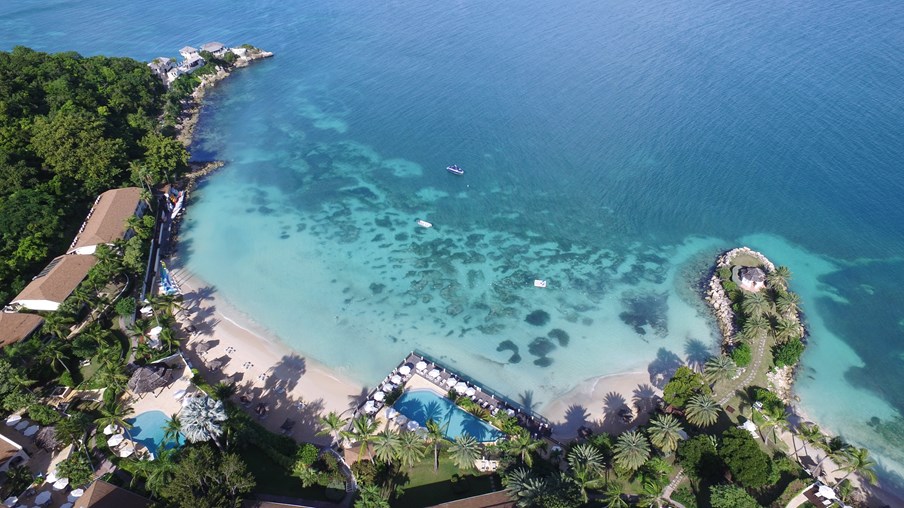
355,400
526,399
286,373
644,398
696,353
663,367
614,406
575,417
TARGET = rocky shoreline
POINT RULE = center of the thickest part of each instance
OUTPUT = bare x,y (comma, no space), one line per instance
719,301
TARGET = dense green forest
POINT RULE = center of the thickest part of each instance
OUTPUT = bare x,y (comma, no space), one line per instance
70,128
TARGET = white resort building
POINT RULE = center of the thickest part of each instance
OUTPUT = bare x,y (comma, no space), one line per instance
217,49
55,283
106,222
751,278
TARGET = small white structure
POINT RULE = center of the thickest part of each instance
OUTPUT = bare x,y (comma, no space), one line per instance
749,426
188,52
751,278
161,65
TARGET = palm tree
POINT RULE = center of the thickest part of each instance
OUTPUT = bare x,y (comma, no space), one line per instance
755,327
58,324
436,437
613,496
515,481
586,467
857,460
386,446
524,446
788,303
162,471
172,430
665,432
755,304
56,351
702,410
651,495
370,497
631,450
786,329
411,449
779,277
531,490
332,425
222,390
809,433
464,451
719,368
115,413
362,431
202,419
835,449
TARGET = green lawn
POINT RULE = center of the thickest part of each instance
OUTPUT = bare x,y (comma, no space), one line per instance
426,487
275,480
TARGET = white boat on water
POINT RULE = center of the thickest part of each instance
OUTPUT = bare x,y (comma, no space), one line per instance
539,283
424,224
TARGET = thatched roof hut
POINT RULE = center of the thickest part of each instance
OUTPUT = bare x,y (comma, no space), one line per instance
149,378
46,439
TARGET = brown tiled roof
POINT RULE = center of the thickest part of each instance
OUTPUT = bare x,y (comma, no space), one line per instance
106,495
8,449
498,499
58,279
15,326
107,219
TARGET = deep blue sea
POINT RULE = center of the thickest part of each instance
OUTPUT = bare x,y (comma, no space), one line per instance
612,148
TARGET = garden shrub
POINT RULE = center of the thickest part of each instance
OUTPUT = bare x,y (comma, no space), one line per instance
742,355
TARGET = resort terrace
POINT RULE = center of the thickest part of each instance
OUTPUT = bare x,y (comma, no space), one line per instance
419,372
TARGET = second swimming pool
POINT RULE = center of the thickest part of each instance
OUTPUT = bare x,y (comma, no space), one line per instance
423,405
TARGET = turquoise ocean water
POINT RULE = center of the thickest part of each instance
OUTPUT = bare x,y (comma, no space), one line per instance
612,148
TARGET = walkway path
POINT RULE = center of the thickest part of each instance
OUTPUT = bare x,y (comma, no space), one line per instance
667,491
751,371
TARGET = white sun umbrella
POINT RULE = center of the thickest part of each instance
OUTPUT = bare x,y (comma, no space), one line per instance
404,370
77,493
401,419
22,425
127,450
421,366
115,439
826,492
470,391
413,426
179,394
451,382
369,407
111,429
60,484
31,430
460,387
391,413
396,379
13,419
42,497
52,477
379,396
155,331
11,501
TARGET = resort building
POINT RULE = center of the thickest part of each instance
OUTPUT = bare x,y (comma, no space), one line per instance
161,66
16,326
751,278
106,495
106,222
55,283
215,48
188,52
11,454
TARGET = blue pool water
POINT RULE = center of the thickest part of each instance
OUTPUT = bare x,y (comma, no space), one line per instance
424,405
148,429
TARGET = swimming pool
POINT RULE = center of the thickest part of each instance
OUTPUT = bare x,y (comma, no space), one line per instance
148,429
423,405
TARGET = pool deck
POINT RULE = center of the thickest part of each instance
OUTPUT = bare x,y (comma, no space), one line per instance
163,399
440,384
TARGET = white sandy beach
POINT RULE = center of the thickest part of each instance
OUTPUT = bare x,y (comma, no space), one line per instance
265,370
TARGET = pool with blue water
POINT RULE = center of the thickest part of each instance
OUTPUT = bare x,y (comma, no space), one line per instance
148,429
424,405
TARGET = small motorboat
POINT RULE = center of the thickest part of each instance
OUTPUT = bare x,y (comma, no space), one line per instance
424,224
455,170
539,283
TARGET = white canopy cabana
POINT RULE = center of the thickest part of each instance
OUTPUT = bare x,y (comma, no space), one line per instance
379,396
51,477
470,391
77,493
433,374
421,366
413,426
391,413
369,407
826,492
127,450
13,419
111,429
397,379
460,387
60,484
115,439
451,382
405,370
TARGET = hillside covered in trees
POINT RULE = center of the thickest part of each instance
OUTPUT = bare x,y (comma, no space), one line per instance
70,128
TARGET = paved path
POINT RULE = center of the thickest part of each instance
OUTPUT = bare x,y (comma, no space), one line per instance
667,491
751,371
